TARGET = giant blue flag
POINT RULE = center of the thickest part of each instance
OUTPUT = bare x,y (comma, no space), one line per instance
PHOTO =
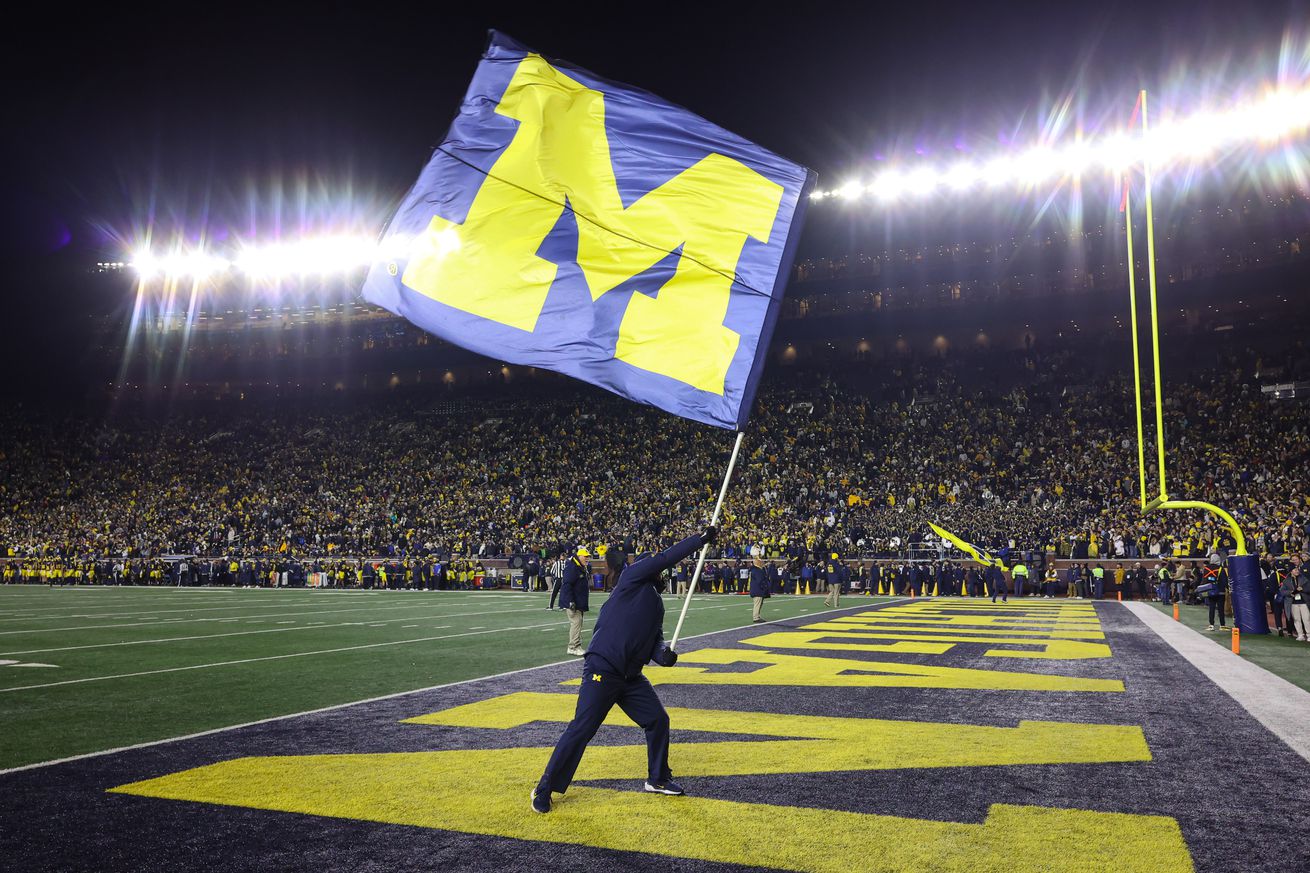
588,227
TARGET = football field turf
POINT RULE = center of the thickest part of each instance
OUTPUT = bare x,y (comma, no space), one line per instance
1282,656
102,668
937,734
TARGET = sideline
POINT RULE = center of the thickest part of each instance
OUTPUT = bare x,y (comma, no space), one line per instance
334,707
184,621
1273,701
553,624
319,625
208,607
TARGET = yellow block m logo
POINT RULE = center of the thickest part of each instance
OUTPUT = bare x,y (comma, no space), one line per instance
489,266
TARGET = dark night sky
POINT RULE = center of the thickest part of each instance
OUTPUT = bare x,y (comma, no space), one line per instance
113,109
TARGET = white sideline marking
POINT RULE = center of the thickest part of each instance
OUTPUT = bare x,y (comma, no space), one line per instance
137,617
51,630
1273,701
334,707
139,614
312,625
328,594
264,658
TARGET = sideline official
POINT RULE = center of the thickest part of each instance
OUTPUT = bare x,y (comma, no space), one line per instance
759,588
573,591
832,573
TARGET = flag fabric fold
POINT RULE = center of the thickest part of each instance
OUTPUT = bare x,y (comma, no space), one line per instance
979,555
585,226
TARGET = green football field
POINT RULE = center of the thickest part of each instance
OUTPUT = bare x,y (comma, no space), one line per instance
1282,656
88,669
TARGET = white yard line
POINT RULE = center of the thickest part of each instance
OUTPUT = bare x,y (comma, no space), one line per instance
152,608
51,630
337,706
311,626
1276,703
268,658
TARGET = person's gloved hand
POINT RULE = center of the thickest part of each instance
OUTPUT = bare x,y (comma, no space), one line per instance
711,534
666,657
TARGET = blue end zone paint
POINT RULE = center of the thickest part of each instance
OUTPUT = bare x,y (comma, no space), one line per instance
1215,769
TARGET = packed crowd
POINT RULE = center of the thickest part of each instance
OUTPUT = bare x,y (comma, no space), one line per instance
1013,451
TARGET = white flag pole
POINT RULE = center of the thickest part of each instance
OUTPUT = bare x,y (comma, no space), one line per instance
714,520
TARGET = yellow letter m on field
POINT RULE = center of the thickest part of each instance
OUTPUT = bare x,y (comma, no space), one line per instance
488,266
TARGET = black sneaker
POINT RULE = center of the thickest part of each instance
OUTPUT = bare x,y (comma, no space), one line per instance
540,800
668,786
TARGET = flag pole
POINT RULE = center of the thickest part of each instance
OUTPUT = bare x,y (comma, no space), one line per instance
714,520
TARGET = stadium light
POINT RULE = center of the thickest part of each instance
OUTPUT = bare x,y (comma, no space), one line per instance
1278,115
309,256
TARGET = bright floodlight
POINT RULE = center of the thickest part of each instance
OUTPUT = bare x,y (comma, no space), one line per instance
888,185
326,255
1038,165
1279,114
921,181
998,171
179,263
850,191
144,263
961,176
306,257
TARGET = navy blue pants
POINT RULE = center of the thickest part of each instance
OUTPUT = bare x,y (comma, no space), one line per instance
1216,605
597,696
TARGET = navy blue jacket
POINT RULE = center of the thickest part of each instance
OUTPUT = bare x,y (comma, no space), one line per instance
759,582
629,631
575,585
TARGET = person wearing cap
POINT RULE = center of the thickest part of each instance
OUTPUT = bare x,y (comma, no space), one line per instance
573,595
759,588
1214,581
629,634
832,573
1052,581
1296,599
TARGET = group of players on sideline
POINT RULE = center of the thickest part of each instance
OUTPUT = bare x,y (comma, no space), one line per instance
1023,574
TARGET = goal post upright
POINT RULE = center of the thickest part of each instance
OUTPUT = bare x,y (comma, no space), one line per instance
1243,567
